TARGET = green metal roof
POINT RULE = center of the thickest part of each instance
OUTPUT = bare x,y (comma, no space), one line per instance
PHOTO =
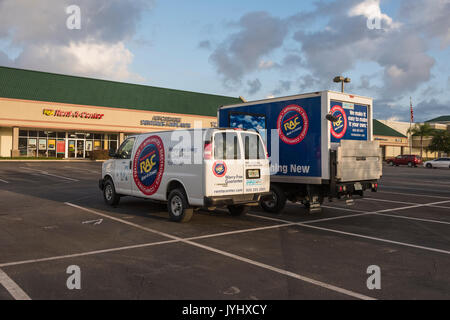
43,86
440,119
380,129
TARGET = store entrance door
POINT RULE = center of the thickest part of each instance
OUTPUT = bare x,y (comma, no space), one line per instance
80,149
76,148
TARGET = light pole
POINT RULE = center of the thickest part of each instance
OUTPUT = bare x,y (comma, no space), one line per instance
342,80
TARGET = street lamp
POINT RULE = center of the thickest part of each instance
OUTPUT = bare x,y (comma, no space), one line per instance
342,80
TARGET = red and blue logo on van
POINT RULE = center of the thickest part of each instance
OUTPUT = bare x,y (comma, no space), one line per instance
339,127
292,124
219,169
148,165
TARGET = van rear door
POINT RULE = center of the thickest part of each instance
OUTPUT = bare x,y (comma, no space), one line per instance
224,170
256,179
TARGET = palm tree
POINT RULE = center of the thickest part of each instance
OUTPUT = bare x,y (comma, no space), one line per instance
440,142
421,130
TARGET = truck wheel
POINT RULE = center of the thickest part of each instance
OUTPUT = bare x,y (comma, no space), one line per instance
238,210
109,193
278,201
178,206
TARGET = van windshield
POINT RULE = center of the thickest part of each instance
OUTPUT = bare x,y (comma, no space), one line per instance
253,147
226,146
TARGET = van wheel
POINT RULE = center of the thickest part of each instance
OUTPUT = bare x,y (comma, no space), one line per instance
238,210
277,202
178,206
109,194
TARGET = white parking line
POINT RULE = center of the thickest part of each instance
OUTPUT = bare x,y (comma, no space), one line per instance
236,257
14,290
413,194
376,239
394,201
419,189
4,181
88,253
50,174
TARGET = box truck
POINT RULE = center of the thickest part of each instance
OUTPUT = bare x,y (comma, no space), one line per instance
189,169
320,145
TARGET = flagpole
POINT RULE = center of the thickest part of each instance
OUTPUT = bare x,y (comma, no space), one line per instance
410,123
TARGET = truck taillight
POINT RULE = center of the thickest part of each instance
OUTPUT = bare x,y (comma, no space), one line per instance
207,151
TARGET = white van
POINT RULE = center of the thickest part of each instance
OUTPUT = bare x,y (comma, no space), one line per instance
189,169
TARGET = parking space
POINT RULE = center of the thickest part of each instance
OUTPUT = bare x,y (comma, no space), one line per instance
52,215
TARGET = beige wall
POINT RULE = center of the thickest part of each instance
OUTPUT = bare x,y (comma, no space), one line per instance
5,142
36,114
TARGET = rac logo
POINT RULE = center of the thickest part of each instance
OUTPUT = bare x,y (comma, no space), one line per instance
147,164
292,124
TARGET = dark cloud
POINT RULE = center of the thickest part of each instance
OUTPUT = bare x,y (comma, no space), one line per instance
428,17
206,44
254,86
242,51
38,29
284,86
44,21
429,109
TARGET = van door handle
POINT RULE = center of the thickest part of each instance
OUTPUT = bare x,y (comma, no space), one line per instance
130,164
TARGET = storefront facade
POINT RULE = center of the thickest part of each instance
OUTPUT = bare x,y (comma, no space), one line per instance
43,129
60,129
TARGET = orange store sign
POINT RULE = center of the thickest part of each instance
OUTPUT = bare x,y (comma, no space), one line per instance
71,114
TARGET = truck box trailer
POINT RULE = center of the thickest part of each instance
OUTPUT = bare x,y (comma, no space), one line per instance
320,145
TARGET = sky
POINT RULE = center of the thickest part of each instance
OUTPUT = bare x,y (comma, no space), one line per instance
391,49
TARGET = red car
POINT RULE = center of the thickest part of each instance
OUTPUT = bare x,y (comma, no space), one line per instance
409,160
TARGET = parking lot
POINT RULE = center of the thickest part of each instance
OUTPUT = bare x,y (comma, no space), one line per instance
52,216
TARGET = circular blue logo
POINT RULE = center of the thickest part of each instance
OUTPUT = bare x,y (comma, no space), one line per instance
148,165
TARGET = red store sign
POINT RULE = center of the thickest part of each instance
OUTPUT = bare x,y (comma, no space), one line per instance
72,114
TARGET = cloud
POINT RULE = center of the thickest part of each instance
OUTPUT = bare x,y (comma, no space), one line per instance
205,44
259,34
428,17
346,40
254,86
284,86
38,30
429,109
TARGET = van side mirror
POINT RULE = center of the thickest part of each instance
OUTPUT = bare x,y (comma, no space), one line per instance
112,153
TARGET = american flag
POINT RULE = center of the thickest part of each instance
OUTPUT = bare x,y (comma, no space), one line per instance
412,112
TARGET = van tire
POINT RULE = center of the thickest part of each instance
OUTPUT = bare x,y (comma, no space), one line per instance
277,204
178,206
109,193
238,210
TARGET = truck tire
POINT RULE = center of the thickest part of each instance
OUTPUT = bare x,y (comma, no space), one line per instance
109,193
238,210
278,201
178,206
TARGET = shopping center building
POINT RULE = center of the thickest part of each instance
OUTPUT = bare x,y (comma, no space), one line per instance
52,115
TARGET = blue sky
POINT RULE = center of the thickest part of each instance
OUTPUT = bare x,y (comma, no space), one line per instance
254,49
